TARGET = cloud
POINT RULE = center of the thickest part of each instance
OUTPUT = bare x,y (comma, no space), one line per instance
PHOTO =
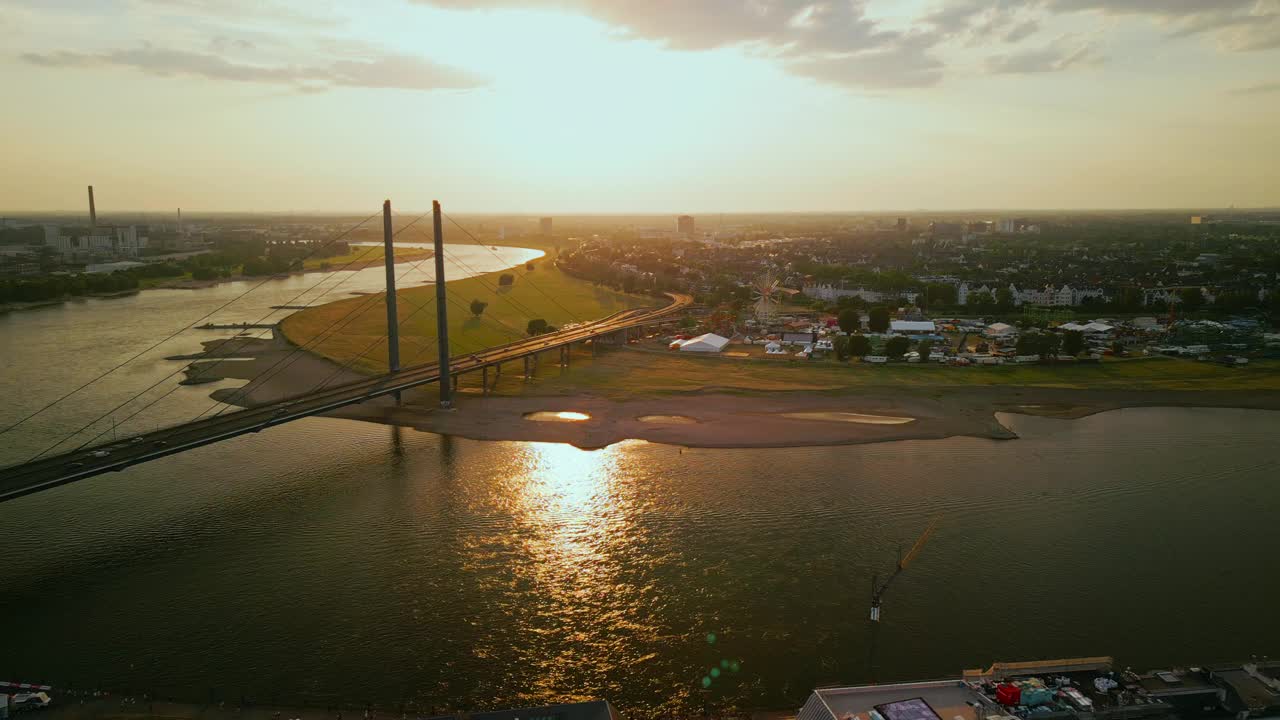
384,71
1237,25
1022,31
833,41
1260,89
903,63
1053,58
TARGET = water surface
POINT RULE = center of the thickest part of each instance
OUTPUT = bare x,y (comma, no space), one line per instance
330,558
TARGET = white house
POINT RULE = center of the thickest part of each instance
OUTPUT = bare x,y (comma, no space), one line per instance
999,330
709,343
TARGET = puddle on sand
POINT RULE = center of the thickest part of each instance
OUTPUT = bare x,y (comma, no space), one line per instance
850,418
556,416
668,419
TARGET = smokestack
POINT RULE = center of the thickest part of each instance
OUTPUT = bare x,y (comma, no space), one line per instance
93,212
179,221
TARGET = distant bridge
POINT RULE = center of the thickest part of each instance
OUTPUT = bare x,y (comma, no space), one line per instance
55,470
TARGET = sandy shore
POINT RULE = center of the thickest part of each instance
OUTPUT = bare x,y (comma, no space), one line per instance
709,419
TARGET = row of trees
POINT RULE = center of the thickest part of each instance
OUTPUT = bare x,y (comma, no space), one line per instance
51,287
856,346
850,320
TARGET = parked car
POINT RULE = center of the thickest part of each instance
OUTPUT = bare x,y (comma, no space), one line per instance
31,701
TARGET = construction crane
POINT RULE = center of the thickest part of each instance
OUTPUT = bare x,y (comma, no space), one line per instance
878,589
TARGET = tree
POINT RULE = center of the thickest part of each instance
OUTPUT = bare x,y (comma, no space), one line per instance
478,306
925,348
980,300
1072,342
849,320
859,345
878,319
506,279
841,345
1004,298
897,346
538,326
1191,298
1051,343
938,295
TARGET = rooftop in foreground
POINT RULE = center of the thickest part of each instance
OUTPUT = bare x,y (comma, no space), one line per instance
947,699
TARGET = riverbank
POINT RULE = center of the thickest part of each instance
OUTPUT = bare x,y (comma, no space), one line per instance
346,263
18,306
732,409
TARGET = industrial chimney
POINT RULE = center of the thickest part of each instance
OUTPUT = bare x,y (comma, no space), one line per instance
93,212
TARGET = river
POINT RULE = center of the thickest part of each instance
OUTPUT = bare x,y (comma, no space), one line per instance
329,559
50,351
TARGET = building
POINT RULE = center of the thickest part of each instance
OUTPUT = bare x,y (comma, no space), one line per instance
685,226
902,224
544,225
831,293
112,266
708,343
946,229
950,699
912,327
1199,219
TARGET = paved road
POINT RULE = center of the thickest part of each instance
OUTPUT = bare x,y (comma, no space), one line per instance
19,480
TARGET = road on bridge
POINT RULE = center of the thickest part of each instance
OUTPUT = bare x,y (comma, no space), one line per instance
55,470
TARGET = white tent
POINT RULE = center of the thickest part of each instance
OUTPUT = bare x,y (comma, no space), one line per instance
704,343
912,326
774,348
995,329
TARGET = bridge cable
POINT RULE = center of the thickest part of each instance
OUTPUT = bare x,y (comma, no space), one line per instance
326,333
181,369
182,330
360,306
519,306
525,276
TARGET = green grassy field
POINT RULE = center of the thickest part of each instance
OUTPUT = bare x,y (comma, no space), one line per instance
350,330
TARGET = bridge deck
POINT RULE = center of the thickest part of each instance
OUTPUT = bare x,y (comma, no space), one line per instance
48,472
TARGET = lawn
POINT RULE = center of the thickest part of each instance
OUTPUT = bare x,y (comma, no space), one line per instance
354,330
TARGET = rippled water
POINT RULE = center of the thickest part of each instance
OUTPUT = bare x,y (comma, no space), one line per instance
50,351
330,558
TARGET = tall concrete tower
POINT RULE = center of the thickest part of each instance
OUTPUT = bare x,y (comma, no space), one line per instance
93,212
179,221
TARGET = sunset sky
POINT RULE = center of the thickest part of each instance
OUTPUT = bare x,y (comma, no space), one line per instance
640,105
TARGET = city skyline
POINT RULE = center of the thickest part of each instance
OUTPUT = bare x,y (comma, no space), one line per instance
595,107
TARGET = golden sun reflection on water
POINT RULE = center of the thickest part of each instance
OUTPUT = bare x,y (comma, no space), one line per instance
574,535
557,416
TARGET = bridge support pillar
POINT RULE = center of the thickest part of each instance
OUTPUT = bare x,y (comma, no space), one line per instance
393,317
526,368
442,317
484,380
